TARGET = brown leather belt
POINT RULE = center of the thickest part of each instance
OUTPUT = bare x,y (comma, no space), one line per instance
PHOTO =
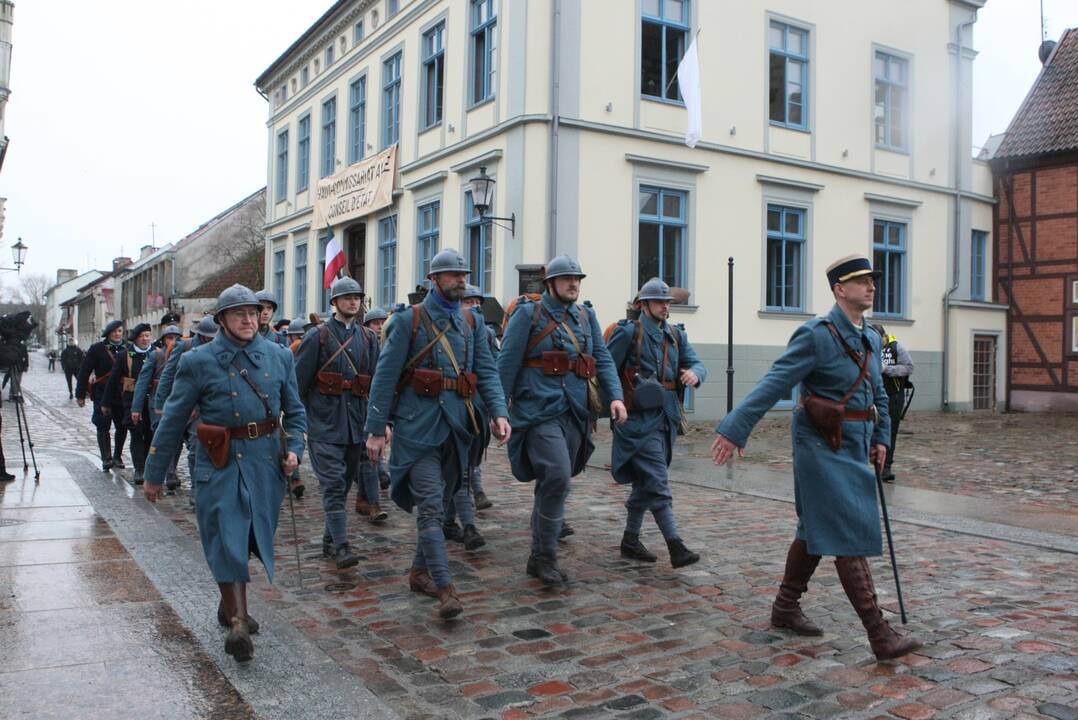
869,414
347,385
252,430
449,383
538,363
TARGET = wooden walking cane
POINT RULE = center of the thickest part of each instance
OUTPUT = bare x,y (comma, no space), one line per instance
890,542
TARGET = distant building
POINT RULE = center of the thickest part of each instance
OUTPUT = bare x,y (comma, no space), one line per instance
60,318
7,21
94,305
1035,171
175,277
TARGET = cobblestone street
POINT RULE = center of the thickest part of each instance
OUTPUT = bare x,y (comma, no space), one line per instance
999,617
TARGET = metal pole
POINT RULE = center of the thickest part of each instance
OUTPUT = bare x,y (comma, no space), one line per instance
890,543
730,340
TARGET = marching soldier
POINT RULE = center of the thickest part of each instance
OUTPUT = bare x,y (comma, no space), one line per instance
244,388
204,332
268,305
334,365
373,477
654,359
552,358
294,334
463,502
434,360
120,392
281,326
149,378
840,429
98,361
70,362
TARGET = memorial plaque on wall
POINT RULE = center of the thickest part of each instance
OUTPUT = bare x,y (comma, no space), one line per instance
530,279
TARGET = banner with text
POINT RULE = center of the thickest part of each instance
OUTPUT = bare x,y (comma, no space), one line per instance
356,191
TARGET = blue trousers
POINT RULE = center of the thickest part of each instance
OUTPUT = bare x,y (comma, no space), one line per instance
429,479
337,468
651,487
461,503
367,485
551,446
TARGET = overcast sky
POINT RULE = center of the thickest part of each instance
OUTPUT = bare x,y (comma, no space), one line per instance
127,113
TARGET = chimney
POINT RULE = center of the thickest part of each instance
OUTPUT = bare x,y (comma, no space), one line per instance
120,262
146,250
64,274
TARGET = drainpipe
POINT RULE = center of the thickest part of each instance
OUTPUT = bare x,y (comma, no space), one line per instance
555,114
956,249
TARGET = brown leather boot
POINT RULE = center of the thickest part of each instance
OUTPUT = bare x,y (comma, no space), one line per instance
448,603
785,611
420,581
362,506
238,643
856,580
376,514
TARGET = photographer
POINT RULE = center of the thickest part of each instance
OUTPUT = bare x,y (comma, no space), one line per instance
897,369
70,362
99,361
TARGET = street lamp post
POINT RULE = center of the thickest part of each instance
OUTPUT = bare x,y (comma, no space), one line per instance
482,187
18,255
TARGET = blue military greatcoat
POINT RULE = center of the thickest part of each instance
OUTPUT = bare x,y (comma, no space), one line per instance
421,424
642,424
146,385
538,398
336,419
835,492
245,496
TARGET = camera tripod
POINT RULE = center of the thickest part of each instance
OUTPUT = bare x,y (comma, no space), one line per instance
24,423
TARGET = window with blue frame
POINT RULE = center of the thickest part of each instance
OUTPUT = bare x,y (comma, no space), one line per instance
323,304
662,228
392,8
278,274
357,33
391,100
282,165
329,136
785,258
889,257
357,119
480,247
484,49
978,259
788,75
387,261
889,107
329,55
300,304
429,225
664,36
303,154
433,74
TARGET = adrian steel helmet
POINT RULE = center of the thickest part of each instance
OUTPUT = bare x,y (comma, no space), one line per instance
171,330
375,314
296,327
344,286
563,266
206,327
654,289
448,260
266,296
472,291
236,296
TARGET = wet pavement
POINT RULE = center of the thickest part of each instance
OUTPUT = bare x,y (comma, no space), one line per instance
83,632
994,596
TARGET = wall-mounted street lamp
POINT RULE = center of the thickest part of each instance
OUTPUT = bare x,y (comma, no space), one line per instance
482,187
18,255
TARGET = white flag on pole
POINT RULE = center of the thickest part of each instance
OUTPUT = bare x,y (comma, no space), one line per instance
688,78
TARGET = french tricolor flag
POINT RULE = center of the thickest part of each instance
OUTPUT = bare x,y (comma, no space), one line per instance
335,260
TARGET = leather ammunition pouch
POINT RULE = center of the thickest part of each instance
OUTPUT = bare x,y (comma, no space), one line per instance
330,383
585,367
467,384
426,382
361,385
555,362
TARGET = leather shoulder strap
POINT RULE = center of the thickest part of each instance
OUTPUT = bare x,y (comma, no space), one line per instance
551,326
862,361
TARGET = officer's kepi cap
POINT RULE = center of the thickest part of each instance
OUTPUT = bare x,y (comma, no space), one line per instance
850,267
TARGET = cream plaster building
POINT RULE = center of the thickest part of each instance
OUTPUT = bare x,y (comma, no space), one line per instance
828,128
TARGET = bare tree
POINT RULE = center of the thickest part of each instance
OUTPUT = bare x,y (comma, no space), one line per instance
32,290
245,237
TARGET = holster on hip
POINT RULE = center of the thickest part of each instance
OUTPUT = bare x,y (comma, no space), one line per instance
216,440
826,416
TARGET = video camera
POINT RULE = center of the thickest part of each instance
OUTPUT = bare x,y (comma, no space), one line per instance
15,331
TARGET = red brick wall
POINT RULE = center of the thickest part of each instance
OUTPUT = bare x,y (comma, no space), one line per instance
1045,207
